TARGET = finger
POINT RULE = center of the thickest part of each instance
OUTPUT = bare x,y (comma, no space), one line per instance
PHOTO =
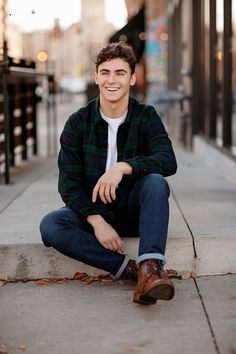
111,246
95,193
121,245
107,194
113,192
105,245
101,194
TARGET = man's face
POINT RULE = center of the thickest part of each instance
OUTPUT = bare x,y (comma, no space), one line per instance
114,80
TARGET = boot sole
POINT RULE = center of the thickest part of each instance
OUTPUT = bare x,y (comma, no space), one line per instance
160,292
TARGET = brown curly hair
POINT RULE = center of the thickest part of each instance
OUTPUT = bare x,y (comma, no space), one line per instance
117,50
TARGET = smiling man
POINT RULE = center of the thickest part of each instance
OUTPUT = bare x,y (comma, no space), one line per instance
114,155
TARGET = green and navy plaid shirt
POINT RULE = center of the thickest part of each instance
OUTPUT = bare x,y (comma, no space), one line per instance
142,141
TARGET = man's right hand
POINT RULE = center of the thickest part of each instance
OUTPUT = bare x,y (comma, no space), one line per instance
105,234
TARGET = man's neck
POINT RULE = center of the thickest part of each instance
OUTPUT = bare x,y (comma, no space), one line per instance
113,110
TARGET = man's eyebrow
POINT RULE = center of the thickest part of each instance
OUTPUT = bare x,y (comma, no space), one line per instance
117,70
121,70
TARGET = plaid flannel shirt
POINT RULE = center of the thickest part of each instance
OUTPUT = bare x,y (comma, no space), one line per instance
142,141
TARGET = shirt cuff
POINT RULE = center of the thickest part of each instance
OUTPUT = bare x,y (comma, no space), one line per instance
136,166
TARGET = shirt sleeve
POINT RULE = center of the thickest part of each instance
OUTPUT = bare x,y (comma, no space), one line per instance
71,184
157,152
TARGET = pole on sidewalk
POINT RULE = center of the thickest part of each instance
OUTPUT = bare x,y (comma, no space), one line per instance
6,127
5,73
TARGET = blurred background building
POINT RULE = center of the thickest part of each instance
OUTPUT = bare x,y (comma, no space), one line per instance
186,52
71,51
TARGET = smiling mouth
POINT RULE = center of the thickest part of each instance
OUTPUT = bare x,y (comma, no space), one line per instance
112,89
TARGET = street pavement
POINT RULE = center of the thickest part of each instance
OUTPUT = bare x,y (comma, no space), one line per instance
70,316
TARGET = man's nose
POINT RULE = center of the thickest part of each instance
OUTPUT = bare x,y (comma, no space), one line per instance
111,78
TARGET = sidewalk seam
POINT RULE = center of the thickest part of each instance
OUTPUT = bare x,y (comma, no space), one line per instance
185,220
207,318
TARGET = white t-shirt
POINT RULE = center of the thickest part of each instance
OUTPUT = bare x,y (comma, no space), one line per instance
113,125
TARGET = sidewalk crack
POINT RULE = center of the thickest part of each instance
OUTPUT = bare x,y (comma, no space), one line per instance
186,222
208,319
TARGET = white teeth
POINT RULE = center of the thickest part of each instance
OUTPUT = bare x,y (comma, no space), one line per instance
112,89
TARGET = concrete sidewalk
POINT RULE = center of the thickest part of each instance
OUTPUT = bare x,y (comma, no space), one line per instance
75,318
81,319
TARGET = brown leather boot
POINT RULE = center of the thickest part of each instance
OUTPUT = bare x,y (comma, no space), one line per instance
153,283
130,272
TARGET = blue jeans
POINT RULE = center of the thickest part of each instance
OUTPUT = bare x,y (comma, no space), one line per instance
147,217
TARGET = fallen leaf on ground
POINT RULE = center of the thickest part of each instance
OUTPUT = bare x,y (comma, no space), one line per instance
43,282
193,275
186,274
172,273
87,280
79,276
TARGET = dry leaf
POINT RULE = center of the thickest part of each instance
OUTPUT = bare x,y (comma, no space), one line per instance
79,276
2,282
172,273
87,280
43,282
193,275
185,275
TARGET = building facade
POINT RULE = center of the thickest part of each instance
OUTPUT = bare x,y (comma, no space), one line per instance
202,61
71,51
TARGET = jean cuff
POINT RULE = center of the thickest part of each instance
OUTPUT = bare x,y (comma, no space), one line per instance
122,268
147,256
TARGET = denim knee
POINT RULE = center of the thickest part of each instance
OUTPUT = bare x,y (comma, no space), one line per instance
155,181
44,228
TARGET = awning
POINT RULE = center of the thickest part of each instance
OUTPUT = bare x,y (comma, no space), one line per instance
133,33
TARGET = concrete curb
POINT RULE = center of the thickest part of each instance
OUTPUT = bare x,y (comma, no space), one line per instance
33,261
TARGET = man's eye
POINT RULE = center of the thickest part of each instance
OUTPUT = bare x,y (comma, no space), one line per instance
120,74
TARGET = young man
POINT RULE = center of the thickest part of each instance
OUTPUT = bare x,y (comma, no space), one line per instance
114,156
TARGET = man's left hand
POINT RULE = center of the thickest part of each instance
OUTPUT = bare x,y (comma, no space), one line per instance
108,183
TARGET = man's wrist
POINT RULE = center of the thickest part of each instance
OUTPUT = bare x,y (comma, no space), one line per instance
125,167
95,219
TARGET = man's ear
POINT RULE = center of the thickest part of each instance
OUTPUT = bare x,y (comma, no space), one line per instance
133,80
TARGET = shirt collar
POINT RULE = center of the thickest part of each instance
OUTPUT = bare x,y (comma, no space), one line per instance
98,117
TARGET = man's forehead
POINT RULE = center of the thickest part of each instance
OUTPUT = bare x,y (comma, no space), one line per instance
114,64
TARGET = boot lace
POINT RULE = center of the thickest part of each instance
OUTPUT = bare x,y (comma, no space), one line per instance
155,267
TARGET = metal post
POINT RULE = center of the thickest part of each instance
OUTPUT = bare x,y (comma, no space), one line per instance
6,126
54,124
227,78
48,123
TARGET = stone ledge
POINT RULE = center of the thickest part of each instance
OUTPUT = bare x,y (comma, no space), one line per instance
33,261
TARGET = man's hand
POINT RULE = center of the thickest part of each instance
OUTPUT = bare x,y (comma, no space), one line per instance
107,184
105,234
